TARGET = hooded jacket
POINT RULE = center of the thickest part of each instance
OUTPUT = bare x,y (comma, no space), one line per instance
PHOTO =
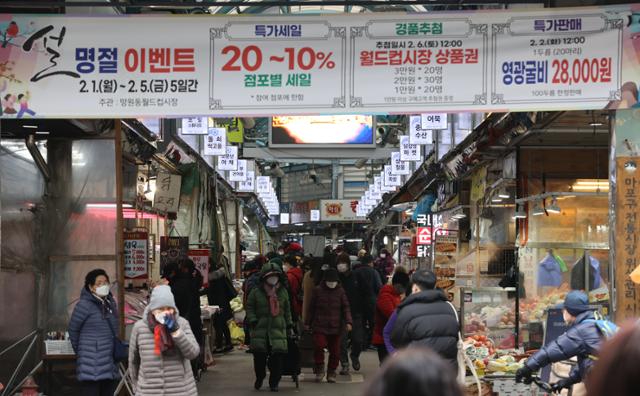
369,283
583,340
266,329
295,278
427,319
354,293
329,311
170,373
92,338
387,302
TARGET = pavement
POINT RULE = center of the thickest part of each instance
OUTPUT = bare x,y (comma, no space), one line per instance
233,376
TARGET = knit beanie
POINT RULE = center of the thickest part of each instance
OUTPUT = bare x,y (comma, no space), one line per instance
161,296
576,302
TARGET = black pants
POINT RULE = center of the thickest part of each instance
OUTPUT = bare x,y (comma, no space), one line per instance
222,331
275,361
98,388
357,342
382,353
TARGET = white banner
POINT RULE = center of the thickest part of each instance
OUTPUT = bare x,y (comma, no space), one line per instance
61,66
434,121
391,179
417,135
263,184
332,210
229,161
248,185
398,166
194,126
216,142
409,152
240,174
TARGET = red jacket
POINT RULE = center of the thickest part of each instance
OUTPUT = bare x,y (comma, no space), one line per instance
329,311
295,276
387,302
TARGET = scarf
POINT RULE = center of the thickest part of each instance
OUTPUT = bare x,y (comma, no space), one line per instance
162,341
274,304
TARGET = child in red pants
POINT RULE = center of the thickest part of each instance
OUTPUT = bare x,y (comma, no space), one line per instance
329,312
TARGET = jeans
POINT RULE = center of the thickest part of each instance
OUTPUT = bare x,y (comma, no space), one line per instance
332,343
274,360
98,388
22,111
357,341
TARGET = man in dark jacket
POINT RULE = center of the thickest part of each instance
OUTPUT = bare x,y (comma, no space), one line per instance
583,339
221,293
369,283
427,319
357,303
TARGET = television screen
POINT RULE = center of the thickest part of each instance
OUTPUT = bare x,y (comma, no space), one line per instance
319,131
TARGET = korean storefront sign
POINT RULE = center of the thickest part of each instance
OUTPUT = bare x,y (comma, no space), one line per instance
200,258
215,142
408,151
167,196
229,161
136,253
419,134
248,185
240,174
95,67
339,210
194,126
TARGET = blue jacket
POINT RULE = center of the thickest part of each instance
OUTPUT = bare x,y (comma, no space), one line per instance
549,272
583,339
92,338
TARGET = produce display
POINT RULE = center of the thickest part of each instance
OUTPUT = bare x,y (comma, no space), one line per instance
487,359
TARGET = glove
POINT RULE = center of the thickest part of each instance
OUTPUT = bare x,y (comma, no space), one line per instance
560,385
524,375
171,323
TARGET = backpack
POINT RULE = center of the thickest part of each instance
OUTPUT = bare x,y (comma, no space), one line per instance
606,327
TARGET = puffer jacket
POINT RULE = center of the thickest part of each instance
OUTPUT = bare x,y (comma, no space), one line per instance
267,330
92,338
295,277
329,311
583,339
388,301
427,319
169,374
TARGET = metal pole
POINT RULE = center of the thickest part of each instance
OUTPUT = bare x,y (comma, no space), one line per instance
19,367
119,225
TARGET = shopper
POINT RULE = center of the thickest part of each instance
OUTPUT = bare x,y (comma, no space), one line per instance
616,371
388,300
251,275
356,303
427,319
269,317
370,283
415,372
160,348
385,264
583,339
329,314
185,287
312,278
92,328
294,278
220,293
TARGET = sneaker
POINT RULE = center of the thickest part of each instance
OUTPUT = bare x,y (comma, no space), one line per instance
331,377
228,349
319,371
344,370
356,363
258,384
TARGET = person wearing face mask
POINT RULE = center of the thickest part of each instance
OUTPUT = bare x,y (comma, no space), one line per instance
583,339
388,300
160,348
356,303
329,316
269,318
92,337
385,264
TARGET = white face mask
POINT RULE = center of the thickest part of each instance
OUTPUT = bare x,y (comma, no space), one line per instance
343,267
281,252
272,280
332,285
159,317
102,291
324,267
383,255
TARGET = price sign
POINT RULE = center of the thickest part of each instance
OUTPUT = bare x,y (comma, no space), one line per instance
434,121
136,255
215,142
229,161
409,152
398,166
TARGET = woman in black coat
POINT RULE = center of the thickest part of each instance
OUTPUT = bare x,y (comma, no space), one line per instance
221,293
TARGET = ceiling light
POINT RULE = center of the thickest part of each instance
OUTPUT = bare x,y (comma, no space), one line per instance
520,213
595,124
385,240
537,210
30,126
496,199
504,194
299,224
42,133
554,208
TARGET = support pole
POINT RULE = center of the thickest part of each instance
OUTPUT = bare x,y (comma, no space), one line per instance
119,225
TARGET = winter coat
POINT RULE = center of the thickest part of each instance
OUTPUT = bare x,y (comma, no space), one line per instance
219,294
92,338
388,301
329,311
385,267
427,319
370,284
308,285
169,374
295,278
267,330
249,284
583,339
354,293
388,329
549,272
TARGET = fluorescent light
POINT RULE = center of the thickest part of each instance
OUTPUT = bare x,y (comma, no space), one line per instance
520,213
537,210
554,208
496,199
30,126
385,240
299,224
504,194
42,133
106,206
595,124
355,240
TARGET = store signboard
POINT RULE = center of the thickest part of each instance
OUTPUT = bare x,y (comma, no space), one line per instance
200,258
167,196
137,66
229,161
136,255
409,152
215,142
240,174
172,249
434,121
194,126
390,179
336,210
263,184
423,236
417,134
249,184
398,166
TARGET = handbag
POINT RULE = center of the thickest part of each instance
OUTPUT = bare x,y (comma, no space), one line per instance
120,348
463,360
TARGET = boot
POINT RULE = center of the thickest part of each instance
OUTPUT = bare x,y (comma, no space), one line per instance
319,371
331,377
356,363
345,369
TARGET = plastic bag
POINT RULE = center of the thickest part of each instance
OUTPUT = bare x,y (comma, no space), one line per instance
237,334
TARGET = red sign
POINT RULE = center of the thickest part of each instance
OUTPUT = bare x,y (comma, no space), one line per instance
200,258
424,236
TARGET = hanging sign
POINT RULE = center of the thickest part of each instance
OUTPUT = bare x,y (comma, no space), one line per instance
229,161
391,179
167,196
434,121
172,249
398,166
338,210
216,142
418,135
315,215
194,126
200,258
263,184
136,255
239,174
247,185
409,152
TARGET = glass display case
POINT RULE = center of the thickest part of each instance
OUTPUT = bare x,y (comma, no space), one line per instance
489,314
